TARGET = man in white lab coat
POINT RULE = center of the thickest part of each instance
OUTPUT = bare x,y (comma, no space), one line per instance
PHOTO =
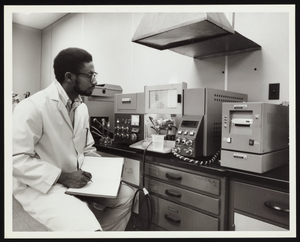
51,136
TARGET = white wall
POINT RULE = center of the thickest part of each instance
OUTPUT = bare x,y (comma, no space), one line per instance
270,30
107,36
27,43
67,32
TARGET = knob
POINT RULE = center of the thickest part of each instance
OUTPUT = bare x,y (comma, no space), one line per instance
126,128
177,150
178,141
183,141
189,142
133,137
189,152
123,135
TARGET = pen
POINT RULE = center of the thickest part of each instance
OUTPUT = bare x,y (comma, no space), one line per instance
90,179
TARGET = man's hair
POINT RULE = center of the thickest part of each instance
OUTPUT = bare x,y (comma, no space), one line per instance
70,60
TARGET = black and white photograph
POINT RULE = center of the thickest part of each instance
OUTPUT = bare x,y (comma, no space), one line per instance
150,121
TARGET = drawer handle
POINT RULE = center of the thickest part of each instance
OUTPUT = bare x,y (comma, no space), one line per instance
172,194
173,177
172,219
276,207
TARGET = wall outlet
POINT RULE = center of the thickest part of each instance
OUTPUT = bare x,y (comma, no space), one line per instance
274,91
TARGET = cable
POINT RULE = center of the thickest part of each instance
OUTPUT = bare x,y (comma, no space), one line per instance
196,162
146,194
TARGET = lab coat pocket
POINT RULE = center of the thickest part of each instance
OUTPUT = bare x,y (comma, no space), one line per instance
81,139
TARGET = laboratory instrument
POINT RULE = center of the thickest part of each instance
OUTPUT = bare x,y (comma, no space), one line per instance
255,136
129,110
199,133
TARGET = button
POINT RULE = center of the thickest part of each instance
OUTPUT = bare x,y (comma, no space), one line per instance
186,132
192,133
251,142
228,140
179,131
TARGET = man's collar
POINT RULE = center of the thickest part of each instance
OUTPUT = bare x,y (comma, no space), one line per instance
64,96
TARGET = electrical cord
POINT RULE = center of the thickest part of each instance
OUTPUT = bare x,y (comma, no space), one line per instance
146,194
194,161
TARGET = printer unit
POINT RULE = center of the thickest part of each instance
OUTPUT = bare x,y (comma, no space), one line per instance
255,136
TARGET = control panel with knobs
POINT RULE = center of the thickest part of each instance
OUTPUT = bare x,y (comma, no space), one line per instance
184,142
129,128
189,136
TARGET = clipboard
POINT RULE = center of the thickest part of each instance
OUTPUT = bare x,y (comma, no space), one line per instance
106,175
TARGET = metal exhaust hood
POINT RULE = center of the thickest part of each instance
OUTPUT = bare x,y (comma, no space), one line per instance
198,35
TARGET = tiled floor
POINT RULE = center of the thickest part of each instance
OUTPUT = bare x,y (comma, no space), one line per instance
22,221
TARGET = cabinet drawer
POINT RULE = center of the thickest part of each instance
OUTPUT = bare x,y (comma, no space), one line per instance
173,217
194,199
199,182
245,223
262,202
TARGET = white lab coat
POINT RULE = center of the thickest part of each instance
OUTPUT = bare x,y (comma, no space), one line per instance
44,144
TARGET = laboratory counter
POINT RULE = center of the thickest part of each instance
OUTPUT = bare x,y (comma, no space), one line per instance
215,197
276,179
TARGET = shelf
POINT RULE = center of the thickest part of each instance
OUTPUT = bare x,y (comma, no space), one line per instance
197,35
226,45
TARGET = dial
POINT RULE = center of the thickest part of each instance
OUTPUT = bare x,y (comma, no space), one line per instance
133,137
189,142
189,151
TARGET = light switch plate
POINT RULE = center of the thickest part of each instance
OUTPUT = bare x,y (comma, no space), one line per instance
274,91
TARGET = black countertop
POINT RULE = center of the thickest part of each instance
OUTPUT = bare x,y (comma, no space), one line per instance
277,178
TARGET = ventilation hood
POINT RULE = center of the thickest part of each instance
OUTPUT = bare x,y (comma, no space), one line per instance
198,35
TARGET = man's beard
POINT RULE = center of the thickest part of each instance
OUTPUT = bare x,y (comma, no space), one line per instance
87,92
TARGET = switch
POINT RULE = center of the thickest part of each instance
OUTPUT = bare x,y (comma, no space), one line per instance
274,91
228,140
251,142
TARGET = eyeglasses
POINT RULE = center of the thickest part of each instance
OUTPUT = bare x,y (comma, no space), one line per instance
91,76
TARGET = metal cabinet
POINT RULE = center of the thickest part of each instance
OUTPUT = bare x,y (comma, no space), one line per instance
174,217
185,200
255,208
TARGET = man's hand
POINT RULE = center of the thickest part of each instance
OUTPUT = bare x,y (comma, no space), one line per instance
76,179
